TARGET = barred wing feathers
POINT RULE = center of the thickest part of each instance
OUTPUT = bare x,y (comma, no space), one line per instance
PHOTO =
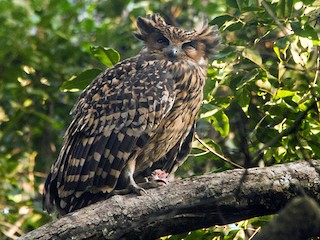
111,120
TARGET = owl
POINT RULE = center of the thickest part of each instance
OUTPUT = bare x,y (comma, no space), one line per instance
135,122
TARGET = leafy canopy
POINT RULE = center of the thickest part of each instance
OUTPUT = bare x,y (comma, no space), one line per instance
261,100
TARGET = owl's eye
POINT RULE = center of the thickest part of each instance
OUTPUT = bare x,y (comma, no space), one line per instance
190,45
162,40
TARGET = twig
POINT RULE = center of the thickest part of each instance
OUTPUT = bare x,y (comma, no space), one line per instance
216,153
284,30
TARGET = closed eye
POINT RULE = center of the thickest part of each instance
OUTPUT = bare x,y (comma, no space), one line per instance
162,40
191,44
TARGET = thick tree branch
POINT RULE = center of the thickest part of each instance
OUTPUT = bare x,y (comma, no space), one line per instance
299,220
188,204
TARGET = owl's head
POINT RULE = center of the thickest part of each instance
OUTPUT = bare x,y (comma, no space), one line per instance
173,43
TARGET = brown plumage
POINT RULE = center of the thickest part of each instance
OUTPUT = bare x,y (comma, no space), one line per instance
134,118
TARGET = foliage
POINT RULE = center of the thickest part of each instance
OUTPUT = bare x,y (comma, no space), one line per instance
261,97
236,231
260,102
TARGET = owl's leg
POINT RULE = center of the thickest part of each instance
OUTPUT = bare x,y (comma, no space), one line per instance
134,187
139,188
157,178
128,181
131,187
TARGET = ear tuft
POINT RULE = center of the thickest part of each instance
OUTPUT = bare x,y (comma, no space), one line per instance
209,35
146,26
143,27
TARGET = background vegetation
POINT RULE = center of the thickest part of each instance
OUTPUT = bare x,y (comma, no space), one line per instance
261,103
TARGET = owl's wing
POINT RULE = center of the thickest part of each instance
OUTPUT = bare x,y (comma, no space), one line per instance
178,154
112,119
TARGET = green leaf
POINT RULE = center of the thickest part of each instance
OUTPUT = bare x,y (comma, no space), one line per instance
311,32
218,118
284,93
304,31
308,2
221,123
296,27
232,25
211,110
107,56
210,85
224,53
277,52
243,97
233,4
315,146
253,55
220,20
285,8
248,77
265,135
81,81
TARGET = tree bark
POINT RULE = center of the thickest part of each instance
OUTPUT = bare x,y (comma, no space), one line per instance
299,220
189,204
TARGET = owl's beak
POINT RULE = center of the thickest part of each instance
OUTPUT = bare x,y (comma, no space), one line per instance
172,52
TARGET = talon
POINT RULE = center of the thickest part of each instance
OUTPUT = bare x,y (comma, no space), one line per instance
162,182
138,190
143,192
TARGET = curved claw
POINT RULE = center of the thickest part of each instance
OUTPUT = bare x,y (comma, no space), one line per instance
138,190
156,179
